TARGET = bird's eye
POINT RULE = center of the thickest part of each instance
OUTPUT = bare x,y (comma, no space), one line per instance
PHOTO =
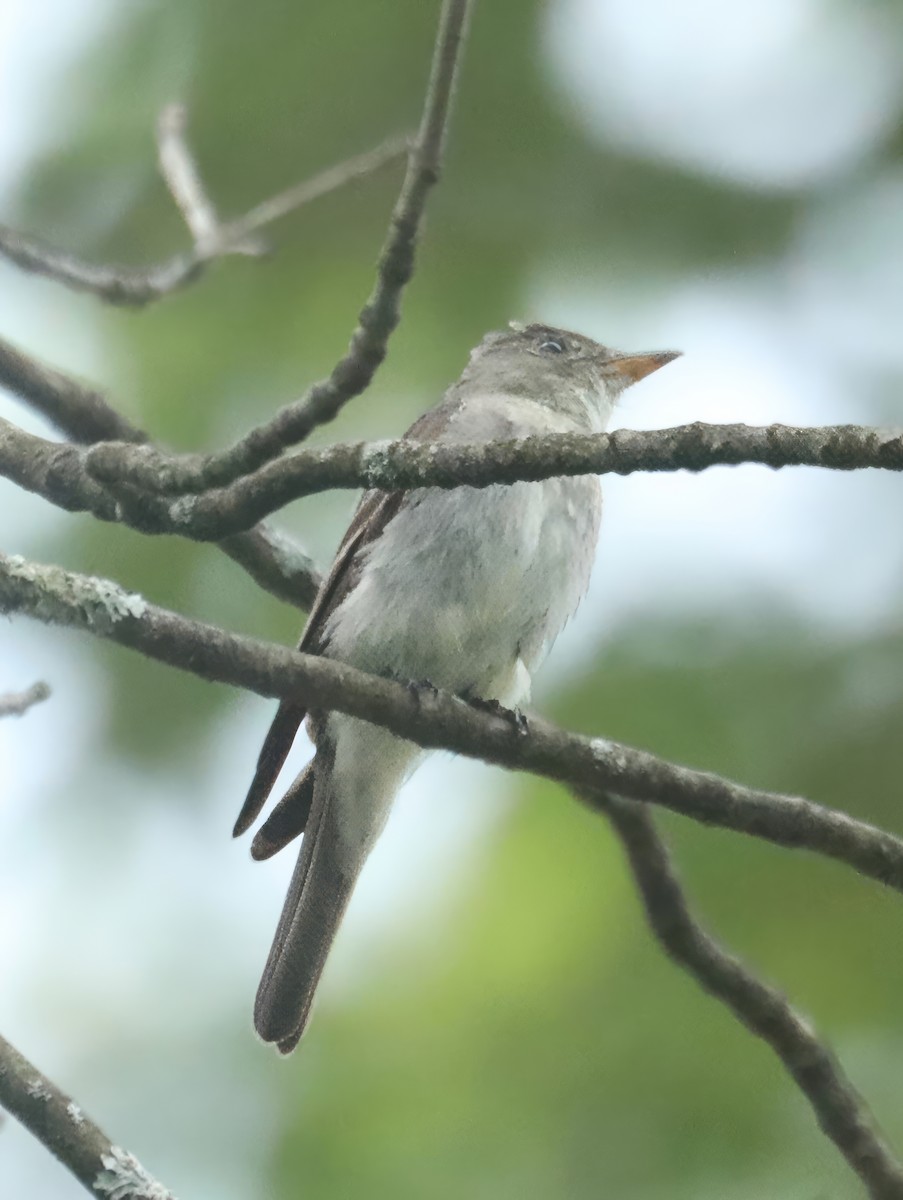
552,346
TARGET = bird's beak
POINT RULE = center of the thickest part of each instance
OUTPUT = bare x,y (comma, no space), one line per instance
634,367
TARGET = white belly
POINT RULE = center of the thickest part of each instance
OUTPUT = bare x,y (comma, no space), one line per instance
468,588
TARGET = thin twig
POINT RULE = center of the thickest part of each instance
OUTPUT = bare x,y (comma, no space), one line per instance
440,720
182,177
240,231
841,1112
17,704
127,286
213,237
380,314
407,464
137,286
106,1170
86,416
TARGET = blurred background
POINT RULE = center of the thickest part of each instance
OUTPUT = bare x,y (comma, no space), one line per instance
725,180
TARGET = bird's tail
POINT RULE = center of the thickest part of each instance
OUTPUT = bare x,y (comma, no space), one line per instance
318,895
349,786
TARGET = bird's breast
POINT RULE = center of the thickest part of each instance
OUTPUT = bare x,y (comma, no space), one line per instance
465,583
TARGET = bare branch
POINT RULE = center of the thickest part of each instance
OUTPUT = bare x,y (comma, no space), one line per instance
379,316
268,557
17,704
182,177
137,286
84,415
276,563
214,238
240,232
53,470
841,1112
128,286
440,720
407,464
79,411
106,1170
61,475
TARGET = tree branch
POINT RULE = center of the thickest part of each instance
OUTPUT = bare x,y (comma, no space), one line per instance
80,412
380,314
68,476
17,704
183,178
440,720
136,287
106,1170
241,231
213,238
841,1112
276,562
407,464
265,556
84,415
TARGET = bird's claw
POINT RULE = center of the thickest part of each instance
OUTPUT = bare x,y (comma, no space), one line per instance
417,687
513,716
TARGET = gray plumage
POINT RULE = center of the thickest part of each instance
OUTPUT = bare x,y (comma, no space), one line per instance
467,588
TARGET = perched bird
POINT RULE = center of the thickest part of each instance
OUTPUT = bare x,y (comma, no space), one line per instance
464,587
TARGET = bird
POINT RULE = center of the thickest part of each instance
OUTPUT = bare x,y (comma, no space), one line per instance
466,588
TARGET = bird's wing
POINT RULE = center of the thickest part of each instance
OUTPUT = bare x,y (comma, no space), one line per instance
372,515
374,512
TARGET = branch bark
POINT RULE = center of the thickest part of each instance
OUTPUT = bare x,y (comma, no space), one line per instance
134,472
841,1112
106,1170
84,415
442,721
67,475
80,412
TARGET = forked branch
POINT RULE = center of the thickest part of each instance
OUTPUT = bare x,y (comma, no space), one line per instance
84,415
132,471
380,314
135,287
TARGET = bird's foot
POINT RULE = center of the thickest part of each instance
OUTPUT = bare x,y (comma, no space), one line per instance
514,716
521,722
417,687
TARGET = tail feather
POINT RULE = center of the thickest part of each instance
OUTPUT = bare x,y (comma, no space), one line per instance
350,785
317,897
288,819
273,754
